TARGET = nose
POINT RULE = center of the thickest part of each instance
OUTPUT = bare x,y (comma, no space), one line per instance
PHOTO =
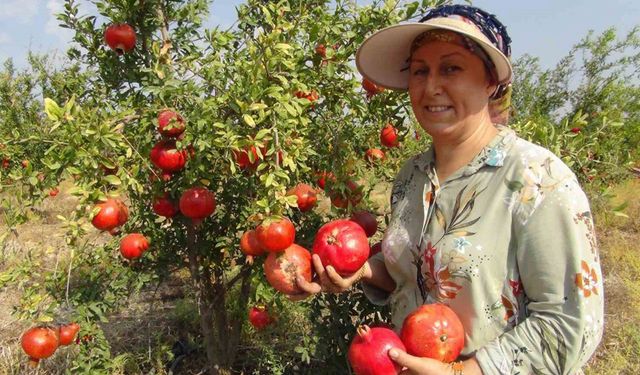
432,85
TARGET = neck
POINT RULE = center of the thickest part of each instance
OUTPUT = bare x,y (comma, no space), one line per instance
453,154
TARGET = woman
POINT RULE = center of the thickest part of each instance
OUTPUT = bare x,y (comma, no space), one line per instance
504,234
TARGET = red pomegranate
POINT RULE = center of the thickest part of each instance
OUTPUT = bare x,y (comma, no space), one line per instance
39,343
250,245
67,333
368,352
306,196
367,221
246,162
342,244
323,177
197,203
167,157
276,233
120,37
111,214
164,206
389,136
433,331
321,50
375,249
351,195
259,317
133,245
371,88
374,155
281,268
170,124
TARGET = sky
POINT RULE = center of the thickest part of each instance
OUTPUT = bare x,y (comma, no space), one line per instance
546,29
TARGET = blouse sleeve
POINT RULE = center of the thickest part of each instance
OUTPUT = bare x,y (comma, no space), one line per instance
376,295
557,258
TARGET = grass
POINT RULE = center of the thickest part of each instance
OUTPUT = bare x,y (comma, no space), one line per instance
142,341
619,351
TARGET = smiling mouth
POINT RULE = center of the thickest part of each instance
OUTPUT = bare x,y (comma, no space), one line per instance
435,109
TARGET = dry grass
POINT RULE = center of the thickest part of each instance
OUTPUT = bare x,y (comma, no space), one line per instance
619,352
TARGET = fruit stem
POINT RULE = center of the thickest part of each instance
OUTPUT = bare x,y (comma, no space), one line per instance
364,332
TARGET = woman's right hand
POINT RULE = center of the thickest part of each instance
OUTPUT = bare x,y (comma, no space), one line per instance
327,280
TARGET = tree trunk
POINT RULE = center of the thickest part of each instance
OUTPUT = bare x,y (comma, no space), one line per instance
210,299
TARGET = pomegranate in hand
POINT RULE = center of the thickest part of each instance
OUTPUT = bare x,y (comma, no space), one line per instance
433,331
281,268
368,352
342,244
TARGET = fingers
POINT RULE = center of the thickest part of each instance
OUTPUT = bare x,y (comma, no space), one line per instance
328,280
308,287
417,365
335,278
317,264
298,297
405,360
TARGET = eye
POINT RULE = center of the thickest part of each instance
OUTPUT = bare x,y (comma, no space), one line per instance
450,69
419,71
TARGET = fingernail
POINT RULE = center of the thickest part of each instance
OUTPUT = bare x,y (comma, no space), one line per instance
330,268
393,353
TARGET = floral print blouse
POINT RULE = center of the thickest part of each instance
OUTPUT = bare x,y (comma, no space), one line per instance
508,243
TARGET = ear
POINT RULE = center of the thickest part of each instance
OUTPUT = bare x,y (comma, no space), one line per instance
491,88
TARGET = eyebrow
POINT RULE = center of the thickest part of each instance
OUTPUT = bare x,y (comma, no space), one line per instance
441,58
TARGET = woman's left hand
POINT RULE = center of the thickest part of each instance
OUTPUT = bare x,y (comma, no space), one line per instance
418,365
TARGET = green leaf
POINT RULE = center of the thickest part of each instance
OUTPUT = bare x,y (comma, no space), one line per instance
261,133
269,181
73,170
257,106
54,166
113,180
411,9
249,120
52,109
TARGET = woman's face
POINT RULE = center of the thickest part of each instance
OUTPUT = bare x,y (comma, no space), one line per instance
449,89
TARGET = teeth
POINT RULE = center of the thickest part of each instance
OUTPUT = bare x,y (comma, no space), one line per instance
437,109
